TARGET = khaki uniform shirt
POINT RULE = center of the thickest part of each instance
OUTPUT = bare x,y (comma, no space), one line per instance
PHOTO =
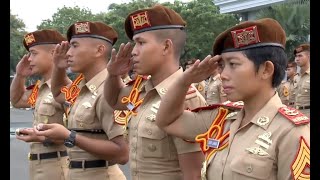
277,137
214,90
303,91
91,111
283,91
293,86
46,111
154,153
201,87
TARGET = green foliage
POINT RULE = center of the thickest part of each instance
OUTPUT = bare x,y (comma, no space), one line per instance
65,17
17,50
294,17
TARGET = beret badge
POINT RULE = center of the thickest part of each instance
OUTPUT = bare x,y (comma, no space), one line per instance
82,27
29,39
245,37
140,21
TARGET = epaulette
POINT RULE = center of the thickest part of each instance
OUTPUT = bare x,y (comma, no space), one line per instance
294,115
236,105
132,81
191,93
30,87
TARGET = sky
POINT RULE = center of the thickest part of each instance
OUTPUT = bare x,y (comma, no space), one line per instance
32,12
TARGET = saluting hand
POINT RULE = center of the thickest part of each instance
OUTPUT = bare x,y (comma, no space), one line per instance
54,131
201,70
120,63
60,56
23,67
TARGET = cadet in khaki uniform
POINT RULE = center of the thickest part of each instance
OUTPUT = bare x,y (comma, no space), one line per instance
266,139
47,159
94,141
213,91
283,91
293,79
302,58
159,39
199,85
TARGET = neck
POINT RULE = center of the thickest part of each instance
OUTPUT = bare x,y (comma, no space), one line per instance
163,72
90,72
254,104
46,76
304,68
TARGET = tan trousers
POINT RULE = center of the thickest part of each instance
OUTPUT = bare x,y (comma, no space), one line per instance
53,169
102,173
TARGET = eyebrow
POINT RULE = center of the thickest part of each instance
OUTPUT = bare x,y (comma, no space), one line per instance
138,38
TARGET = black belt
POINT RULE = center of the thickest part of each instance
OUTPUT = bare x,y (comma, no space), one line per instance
49,155
88,164
302,107
93,131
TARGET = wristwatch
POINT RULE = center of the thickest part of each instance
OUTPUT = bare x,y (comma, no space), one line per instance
71,140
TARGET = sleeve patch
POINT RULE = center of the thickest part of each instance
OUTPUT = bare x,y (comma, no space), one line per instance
294,115
301,161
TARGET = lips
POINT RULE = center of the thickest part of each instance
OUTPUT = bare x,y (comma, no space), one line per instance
227,89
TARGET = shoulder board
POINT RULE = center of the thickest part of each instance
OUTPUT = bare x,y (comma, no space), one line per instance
191,93
30,87
294,115
132,81
237,104
209,107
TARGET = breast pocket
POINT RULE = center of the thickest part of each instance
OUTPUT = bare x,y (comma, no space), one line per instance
85,114
45,111
155,142
252,167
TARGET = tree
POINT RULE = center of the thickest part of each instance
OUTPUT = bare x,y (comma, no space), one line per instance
66,16
294,17
17,31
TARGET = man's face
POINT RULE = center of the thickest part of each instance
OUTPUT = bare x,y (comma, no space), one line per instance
291,71
80,54
240,80
147,53
40,59
302,58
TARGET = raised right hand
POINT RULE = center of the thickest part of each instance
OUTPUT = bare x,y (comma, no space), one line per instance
60,56
23,67
120,63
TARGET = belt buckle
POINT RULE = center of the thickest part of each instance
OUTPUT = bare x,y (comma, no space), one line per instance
29,156
297,107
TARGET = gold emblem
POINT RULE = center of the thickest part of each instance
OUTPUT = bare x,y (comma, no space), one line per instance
257,151
82,27
238,103
140,20
92,88
263,120
155,107
245,37
151,117
290,112
86,105
163,91
29,39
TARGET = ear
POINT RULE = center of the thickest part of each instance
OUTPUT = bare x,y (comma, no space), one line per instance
101,49
266,70
167,47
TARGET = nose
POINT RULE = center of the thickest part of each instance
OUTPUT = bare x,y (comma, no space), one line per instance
134,51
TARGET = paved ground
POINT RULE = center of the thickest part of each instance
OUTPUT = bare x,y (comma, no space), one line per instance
19,149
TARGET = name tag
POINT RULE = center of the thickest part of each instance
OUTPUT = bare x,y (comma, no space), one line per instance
213,143
130,106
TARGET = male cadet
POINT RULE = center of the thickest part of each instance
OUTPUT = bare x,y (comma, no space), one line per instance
46,159
94,141
293,79
159,35
213,91
283,91
200,85
302,58
266,140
